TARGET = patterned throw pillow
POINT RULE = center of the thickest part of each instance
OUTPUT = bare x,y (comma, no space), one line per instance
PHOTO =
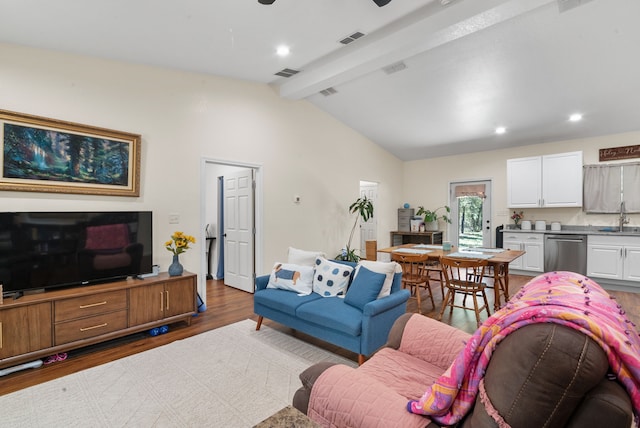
331,278
286,276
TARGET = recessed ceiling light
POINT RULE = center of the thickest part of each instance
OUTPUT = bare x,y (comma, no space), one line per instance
575,117
501,130
283,50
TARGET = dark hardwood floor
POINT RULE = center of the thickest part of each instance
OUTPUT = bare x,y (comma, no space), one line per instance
226,305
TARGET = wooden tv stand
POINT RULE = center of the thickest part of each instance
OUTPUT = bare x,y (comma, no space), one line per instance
38,325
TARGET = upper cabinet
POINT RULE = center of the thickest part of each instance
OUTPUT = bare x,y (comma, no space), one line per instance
545,181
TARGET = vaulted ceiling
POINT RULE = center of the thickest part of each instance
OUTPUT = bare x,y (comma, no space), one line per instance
427,78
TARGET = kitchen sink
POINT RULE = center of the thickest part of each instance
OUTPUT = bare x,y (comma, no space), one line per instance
616,230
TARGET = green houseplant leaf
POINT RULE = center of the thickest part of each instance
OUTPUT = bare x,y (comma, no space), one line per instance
430,216
363,208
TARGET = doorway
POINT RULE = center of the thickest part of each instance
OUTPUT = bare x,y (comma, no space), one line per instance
236,254
470,203
368,229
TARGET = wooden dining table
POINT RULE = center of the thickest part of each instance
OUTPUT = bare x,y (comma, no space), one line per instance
498,260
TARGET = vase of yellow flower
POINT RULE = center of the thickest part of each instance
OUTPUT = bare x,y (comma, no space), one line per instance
178,244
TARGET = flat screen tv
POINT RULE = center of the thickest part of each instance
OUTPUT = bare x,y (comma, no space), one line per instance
43,250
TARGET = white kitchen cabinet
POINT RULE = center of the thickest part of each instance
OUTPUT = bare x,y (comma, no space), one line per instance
545,181
533,246
614,257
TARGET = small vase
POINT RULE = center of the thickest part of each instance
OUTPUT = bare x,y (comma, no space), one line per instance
175,269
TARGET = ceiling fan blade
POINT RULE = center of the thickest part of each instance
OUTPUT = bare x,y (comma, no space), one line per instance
380,3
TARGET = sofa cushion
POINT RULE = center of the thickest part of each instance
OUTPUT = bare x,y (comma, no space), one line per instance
333,313
396,285
547,367
389,269
404,373
287,276
331,278
282,300
303,257
365,287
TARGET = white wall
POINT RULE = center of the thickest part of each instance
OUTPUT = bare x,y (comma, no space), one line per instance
427,181
185,117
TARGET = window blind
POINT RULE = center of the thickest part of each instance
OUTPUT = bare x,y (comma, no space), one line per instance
606,186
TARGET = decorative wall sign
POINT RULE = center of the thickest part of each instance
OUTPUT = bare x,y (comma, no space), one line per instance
48,155
615,153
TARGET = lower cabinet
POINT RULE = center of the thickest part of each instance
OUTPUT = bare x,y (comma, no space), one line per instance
533,246
161,301
42,324
614,257
25,329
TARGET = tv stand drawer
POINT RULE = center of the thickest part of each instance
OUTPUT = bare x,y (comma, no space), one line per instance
89,327
87,306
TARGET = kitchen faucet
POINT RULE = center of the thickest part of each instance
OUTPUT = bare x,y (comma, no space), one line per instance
623,218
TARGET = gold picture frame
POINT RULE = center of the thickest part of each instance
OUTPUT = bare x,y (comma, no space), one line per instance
39,154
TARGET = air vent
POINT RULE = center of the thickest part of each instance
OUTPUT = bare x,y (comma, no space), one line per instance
329,91
352,38
565,5
287,72
394,68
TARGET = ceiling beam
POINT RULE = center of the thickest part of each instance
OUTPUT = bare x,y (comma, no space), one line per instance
431,26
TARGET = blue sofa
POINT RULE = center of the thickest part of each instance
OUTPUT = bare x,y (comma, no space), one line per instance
330,318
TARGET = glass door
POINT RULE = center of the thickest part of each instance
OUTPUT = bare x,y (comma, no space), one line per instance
471,213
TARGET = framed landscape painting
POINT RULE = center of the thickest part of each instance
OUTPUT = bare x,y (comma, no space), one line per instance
48,155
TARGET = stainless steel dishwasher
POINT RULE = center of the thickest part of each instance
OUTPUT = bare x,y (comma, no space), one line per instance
565,252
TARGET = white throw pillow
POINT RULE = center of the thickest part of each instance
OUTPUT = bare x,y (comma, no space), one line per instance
331,278
387,268
302,257
286,276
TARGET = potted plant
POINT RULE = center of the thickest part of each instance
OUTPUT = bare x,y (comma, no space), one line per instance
431,217
363,208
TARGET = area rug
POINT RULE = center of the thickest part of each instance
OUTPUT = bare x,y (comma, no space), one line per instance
233,376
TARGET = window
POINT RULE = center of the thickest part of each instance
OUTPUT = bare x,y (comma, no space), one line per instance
607,186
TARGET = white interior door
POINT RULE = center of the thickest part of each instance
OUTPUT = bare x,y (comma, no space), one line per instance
368,229
239,230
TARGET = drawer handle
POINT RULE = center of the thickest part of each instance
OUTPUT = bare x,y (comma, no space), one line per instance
92,305
167,299
1,335
93,327
161,301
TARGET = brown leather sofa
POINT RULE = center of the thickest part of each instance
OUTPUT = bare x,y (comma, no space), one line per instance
541,375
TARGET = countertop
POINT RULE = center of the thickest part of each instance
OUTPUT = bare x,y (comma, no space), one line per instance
580,230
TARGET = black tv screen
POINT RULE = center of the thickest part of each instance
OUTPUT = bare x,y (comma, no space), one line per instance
41,250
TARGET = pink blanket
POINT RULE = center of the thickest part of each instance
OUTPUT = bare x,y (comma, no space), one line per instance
564,298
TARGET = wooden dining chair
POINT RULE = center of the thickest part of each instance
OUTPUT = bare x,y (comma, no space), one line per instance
434,273
415,274
464,277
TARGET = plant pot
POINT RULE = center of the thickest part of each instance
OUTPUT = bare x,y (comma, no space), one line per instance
431,226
